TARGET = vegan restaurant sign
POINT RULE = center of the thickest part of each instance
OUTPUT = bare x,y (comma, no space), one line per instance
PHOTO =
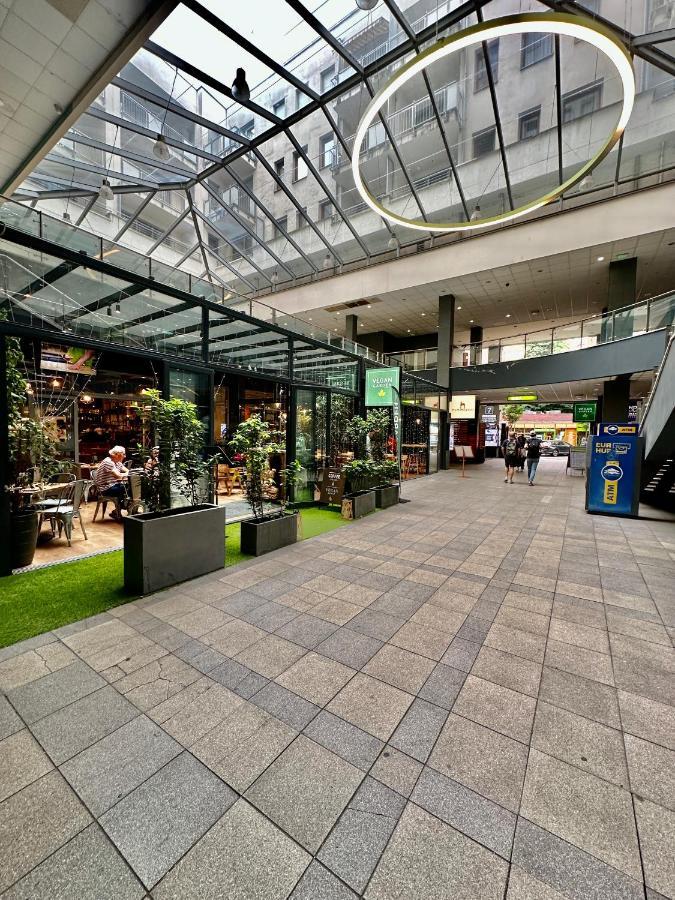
585,412
382,386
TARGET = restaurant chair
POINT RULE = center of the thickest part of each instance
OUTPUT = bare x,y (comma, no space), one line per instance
64,514
135,490
102,501
47,509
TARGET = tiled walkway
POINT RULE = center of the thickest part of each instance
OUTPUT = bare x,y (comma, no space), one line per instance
469,696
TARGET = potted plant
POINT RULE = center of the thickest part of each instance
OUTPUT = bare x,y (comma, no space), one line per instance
387,488
360,476
385,470
266,531
182,535
32,445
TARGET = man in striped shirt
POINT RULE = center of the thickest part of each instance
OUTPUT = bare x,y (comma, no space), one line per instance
111,476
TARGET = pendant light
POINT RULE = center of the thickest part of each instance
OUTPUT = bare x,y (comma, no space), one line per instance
105,191
475,215
328,261
393,242
160,149
240,88
366,5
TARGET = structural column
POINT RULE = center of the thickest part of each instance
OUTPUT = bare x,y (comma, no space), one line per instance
446,336
622,291
351,327
475,339
616,399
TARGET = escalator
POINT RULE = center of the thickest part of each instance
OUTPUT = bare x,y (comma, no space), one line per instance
658,431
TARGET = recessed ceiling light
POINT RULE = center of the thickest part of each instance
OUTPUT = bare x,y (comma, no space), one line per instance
600,258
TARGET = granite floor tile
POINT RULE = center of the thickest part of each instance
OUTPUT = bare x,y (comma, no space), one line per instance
419,729
584,810
400,668
634,676
285,705
39,698
200,621
151,685
461,654
354,846
580,695
202,714
243,856
371,705
234,637
647,719
656,828
443,686
319,884
440,619
167,636
489,763
36,822
376,624
316,678
523,886
397,770
87,866
23,668
520,643
652,771
497,707
427,858
649,654
422,639
351,743
484,821
351,648
22,761
565,869
510,671
581,742
586,636
578,661
109,770
335,610
529,622
307,631
270,656
305,790
159,821
9,721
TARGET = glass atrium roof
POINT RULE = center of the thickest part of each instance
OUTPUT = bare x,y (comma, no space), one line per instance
259,194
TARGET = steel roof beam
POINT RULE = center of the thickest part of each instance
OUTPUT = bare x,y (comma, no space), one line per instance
48,278
167,231
131,155
129,222
198,233
236,249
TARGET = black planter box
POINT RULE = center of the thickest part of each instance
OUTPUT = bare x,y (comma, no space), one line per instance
165,548
386,496
23,532
361,504
269,534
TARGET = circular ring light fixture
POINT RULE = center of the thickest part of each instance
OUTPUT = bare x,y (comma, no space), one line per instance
526,23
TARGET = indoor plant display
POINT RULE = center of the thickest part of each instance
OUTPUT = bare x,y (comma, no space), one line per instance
174,541
266,531
385,471
387,487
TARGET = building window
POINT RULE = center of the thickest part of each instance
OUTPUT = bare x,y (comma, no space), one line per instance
327,156
327,79
480,78
534,48
281,222
529,124
484,141
582,102
299,165
279,108
247,129
279,169
325,210
300,220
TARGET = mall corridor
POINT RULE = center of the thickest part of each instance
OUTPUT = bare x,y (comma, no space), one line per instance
469,696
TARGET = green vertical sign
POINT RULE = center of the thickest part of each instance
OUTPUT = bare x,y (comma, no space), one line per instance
586,411
379,385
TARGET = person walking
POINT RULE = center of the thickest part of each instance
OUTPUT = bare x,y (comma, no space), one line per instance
510,451
522,453
533,456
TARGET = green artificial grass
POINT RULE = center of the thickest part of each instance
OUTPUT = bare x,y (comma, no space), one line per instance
44,599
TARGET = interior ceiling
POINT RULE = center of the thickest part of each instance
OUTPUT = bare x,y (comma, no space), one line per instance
179,85
568,391
50,49
568,285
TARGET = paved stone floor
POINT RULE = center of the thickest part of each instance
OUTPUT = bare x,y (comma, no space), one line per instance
468,696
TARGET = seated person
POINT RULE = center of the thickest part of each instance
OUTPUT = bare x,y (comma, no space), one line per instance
152,462
111,477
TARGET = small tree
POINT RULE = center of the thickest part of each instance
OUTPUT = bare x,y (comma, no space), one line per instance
357,432
512,413
256,442
181,437
378,421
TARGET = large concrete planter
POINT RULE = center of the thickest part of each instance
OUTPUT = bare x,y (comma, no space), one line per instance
357,505
165,548
269,534
23,532
386,496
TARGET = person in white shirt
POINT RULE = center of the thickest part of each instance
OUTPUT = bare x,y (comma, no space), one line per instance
111,477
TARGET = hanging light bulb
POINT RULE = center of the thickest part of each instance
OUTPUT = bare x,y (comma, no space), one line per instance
160,149
110,310
118,307
240,88
475,215
393,242
366,5
66,216
29,388
275,277
56,383
328,261
105,191
586,183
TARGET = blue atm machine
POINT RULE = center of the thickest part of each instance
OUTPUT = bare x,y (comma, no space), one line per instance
614,467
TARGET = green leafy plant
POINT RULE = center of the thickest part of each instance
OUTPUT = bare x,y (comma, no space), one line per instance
181,436
377,422
512,412
386,471
256,442
357,432
360,473
290,476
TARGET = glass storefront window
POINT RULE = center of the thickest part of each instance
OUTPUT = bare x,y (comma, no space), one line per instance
310,439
